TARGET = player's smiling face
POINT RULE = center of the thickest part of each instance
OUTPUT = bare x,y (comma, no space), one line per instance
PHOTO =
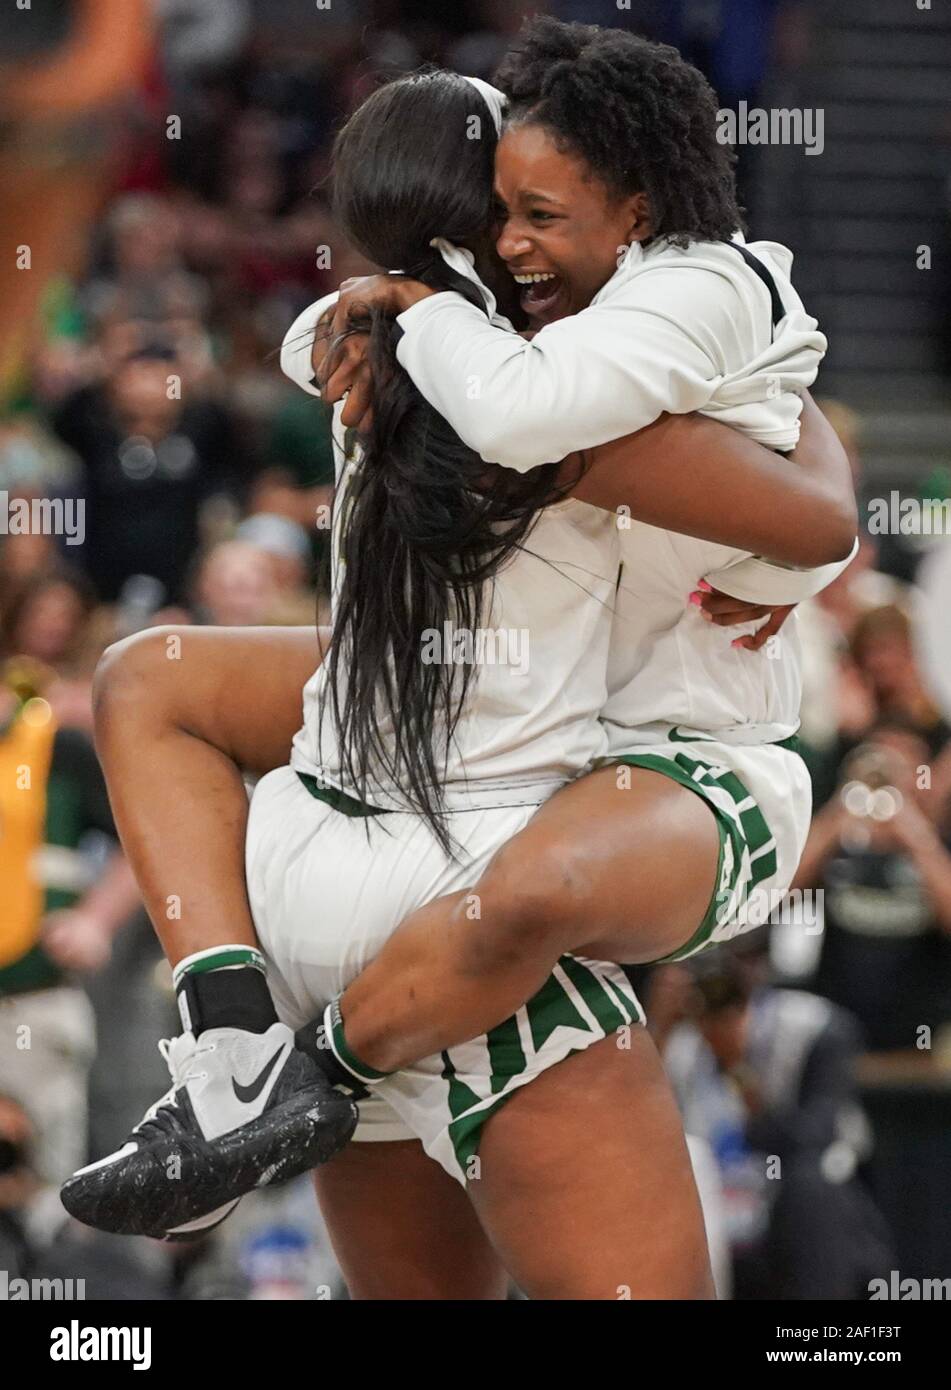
560,226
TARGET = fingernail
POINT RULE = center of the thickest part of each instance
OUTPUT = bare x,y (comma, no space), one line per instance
704,587
707,617
696,597
737,642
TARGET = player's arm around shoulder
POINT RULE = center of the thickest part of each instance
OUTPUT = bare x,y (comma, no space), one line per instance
587,379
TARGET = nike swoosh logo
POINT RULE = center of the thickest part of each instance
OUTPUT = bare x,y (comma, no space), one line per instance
675,736
252,1091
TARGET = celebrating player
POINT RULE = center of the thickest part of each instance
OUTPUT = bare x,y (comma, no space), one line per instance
581,1001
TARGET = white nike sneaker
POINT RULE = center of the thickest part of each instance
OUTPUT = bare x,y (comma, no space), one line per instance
244,1110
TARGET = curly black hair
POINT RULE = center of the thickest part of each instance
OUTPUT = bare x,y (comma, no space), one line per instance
641,117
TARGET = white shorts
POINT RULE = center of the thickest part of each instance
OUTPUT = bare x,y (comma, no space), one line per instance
327,890
761,796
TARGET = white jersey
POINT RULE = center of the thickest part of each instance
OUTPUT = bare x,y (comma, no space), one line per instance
657,665
671,670
683,674
673,330
540,660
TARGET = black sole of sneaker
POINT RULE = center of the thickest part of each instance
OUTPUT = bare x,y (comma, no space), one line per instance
171,1183
182,1234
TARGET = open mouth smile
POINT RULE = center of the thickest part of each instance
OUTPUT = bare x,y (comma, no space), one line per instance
541,292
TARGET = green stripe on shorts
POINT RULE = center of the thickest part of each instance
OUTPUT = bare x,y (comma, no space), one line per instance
632,1011
461,1096
594,994
506,1054
547,1011
738,833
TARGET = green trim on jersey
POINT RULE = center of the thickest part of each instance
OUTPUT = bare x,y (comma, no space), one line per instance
338,800
793,744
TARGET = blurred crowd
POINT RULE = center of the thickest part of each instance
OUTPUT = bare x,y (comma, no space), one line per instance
145,385
817,1049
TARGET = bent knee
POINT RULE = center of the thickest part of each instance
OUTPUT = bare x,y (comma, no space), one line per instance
127,669
530,902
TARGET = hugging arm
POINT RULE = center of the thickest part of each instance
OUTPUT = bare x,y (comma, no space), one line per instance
567,389
231,699
692,475
592,377
685,473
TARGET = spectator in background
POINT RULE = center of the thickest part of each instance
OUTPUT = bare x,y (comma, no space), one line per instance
858,644
857,589
838,703
884,659
826,627
151,456
32,462
286,545
22,558
51,616
18,1186
764,1076
300,477
47,617
873,675
59,910
32,465
879,856
145,274
236,586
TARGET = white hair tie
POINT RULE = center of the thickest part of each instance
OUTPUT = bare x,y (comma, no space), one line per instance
493,98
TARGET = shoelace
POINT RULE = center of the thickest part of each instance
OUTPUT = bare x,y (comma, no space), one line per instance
179,1055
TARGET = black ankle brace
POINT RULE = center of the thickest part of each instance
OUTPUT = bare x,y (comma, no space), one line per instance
234,998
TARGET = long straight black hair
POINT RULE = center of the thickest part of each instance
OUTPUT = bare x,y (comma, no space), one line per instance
427,522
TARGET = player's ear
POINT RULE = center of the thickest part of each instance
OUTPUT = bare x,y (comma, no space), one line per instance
639,218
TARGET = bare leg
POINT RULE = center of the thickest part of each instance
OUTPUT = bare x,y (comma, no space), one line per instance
612,1215
401,1227
634,867
617,874
585,1182
172,759
178,713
